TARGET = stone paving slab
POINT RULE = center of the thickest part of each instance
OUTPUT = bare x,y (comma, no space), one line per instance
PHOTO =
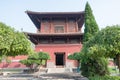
50,76
62,76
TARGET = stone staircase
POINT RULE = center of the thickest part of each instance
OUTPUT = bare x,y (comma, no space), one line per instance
59,70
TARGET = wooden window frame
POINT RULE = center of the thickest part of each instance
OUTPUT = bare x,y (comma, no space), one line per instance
57,30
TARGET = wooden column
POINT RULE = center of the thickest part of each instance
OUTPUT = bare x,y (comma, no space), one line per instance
50,40
41,28
80,40
76,25
66,22
68,41
51,25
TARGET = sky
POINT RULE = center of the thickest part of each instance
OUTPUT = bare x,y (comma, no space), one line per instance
12,12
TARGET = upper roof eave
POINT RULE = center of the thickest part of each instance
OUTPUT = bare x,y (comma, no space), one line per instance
45,13
37,16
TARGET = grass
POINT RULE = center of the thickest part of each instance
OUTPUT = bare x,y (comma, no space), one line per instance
113,70
104,78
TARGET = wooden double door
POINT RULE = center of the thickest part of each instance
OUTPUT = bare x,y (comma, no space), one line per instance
60,59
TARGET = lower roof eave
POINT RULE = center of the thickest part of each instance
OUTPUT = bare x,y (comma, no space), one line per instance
54,34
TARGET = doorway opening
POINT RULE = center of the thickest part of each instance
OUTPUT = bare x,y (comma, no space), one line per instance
60,59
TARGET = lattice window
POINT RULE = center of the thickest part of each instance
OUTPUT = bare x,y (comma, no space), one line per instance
59,29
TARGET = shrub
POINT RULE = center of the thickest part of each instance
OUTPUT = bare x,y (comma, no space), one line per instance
104,78
94,66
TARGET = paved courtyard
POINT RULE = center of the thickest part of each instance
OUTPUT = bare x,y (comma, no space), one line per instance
62,76
50,76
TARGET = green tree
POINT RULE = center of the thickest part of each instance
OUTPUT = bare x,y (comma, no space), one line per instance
37,59
32,64
40,56
76,56
12,42
91,26
105,44
91,65
110,40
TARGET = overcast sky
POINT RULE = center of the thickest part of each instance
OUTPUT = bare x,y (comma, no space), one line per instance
12,12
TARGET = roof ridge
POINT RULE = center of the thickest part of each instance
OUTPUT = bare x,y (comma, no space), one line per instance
77,12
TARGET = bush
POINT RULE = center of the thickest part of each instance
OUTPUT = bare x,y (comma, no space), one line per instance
104,78
94,66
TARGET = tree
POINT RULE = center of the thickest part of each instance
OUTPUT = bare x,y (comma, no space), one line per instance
32,64
39,59
105,44
12,42
40,56
110,40
76,56
91,26
93,61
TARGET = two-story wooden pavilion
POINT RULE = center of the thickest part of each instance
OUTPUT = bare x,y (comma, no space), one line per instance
59,34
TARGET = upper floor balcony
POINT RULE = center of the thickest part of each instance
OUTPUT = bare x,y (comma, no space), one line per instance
57,22
59,26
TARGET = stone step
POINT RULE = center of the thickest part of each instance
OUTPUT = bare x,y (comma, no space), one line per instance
59,70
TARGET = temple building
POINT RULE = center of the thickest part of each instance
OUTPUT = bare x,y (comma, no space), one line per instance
59,34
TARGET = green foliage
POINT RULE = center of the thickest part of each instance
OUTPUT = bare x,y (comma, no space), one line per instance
106,43
40,56
93,62
75,56
36,58
6,38
71,57
98,46
111,40
28,63
107,40
113,69
5,59
94,66
104,78
91,26
12,42
20,45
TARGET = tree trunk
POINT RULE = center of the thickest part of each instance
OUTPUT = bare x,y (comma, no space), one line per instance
45,63
39,68
35,67
78,66
118,61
